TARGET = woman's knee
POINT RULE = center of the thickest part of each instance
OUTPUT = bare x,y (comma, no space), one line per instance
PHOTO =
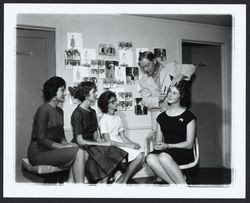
151,159
165,159
141,155
81,154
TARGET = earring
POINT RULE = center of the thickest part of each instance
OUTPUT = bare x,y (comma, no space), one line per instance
54,99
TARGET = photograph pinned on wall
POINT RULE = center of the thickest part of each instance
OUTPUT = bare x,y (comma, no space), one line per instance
139,108
72,57
126,45
121,106
138,51
94,63
110,69
128,96
106,49
120,75
87,56
101,69
93,72
74,48
99,65
74,40
79,72
126,57
109,83
132,75
120,95
160,54
128,105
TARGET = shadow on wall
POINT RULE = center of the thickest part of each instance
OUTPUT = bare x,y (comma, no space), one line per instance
209,132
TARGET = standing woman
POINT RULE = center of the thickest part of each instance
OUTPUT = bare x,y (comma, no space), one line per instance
48,144
175,136
103,157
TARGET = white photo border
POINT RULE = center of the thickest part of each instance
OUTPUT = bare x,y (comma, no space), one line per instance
236,190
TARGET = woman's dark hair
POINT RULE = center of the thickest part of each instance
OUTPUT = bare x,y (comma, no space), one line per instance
82,90
146,54
103,100
50,87
184,88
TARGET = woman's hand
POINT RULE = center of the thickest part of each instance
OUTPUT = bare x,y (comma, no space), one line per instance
133,145
160,146
136,146
69,145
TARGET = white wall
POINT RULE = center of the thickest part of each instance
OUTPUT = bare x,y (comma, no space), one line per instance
143,32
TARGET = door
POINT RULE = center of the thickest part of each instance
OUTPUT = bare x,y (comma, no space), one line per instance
207,100
35,63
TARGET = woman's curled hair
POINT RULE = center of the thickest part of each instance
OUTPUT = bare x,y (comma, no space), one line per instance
184,88
51,86
82,90
103,100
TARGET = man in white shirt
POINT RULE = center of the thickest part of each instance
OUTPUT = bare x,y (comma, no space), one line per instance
157,79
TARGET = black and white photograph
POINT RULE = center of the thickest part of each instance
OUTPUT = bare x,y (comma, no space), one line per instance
106,49
132,75
185,114
160,54
139,108
110,69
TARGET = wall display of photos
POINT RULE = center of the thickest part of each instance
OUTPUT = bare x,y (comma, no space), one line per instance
107,72
139,108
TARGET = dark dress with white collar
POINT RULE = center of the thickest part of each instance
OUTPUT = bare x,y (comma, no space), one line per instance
174,130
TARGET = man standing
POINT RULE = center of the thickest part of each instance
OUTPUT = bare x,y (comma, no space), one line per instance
157,79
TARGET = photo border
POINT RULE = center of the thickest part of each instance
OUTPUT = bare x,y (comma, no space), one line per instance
239,76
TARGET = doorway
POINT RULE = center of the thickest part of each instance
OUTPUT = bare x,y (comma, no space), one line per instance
206,99
35,63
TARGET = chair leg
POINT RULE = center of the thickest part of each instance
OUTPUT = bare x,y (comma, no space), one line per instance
187,176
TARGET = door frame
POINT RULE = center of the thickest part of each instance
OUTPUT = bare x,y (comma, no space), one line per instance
226,96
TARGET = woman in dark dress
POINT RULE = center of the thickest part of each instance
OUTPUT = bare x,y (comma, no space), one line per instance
103,157
48,144
175,136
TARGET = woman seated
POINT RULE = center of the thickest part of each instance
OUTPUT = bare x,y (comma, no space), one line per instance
48,144
175,136
112,130
103,156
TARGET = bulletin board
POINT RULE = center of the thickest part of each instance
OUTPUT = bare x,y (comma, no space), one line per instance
111,67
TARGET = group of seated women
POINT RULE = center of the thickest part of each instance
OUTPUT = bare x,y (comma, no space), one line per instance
99,151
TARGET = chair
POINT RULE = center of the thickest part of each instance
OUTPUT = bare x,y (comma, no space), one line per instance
149,147
51,174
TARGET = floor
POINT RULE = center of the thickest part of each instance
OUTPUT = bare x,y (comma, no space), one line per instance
197,176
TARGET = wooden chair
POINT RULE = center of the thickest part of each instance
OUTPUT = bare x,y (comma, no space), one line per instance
149,147
51,174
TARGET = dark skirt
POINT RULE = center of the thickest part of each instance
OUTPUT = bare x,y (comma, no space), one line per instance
60,157
103,160
180,156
